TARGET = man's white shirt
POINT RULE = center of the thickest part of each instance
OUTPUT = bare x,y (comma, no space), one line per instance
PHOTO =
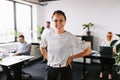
46,31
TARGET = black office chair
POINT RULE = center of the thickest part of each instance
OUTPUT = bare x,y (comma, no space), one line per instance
26,75
25,64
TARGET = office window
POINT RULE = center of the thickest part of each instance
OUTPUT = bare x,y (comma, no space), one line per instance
15,16
6,21
23,20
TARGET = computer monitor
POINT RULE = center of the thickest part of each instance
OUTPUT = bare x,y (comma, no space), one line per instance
106,51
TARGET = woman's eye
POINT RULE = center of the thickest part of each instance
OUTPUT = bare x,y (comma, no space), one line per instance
55,20
58,20
61,20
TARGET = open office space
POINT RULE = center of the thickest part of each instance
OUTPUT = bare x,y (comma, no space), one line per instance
28,18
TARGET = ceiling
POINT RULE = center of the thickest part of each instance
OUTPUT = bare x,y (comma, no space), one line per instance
40,2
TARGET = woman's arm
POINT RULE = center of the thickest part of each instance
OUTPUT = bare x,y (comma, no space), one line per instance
82,54
44,52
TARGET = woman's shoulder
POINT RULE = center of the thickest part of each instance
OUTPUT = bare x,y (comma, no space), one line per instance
70,35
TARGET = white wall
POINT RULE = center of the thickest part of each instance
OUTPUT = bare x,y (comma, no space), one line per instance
105,14
38,19
40,15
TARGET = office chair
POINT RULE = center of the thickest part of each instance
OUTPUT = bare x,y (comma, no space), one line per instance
25,74
26,63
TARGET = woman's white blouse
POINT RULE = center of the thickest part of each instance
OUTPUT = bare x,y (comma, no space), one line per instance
60,47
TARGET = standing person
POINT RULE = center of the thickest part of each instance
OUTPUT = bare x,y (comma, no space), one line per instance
107,63
60,45
45,31
47,28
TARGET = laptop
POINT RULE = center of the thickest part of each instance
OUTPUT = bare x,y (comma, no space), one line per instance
5,52
106,51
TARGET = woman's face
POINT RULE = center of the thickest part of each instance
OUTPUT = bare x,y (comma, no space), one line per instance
59,21
109,37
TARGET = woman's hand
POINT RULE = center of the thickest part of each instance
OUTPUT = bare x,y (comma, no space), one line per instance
70,59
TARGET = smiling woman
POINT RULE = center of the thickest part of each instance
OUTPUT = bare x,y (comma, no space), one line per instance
59,52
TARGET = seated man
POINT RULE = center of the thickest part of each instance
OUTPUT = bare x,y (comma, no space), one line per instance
23,48
107,63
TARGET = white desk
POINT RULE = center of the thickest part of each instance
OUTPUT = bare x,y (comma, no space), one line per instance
11,60
17,62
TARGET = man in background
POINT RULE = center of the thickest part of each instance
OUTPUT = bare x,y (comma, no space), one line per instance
23,47
46,31
47,28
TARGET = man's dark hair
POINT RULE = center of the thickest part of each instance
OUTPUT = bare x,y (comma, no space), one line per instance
48,22
21,36
110,32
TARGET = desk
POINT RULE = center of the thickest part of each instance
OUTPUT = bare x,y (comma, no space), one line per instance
15,61
91,57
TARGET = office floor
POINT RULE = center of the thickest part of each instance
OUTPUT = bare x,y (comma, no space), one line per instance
37,70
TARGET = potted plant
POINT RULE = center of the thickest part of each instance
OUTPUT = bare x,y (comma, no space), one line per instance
87,26
39,31
116,43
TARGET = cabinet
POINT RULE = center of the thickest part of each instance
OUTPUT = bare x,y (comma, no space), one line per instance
87,38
